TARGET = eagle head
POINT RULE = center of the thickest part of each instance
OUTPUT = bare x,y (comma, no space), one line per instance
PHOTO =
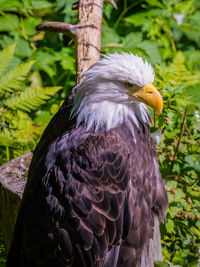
114,90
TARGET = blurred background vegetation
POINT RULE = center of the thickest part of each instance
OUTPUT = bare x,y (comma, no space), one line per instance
37,72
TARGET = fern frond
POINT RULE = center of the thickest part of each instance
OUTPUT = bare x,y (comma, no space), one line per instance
11,81
31,98
180,74
6,138
5,57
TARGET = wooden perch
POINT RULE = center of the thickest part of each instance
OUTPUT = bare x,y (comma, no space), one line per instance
87,33
55,26
62,27
88,40
76,5
13,177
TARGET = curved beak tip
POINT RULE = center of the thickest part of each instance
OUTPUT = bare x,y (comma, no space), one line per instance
154,99
151,97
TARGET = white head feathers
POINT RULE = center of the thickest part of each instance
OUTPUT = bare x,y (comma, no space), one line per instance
122,67
102,100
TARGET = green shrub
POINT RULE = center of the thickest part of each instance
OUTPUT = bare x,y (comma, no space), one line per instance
18,97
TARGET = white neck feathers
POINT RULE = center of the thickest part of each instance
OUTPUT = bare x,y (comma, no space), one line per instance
101,100
97,110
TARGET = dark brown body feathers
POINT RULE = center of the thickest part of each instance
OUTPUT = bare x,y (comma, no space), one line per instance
90,197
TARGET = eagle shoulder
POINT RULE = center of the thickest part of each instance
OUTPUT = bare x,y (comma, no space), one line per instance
89,194
76,203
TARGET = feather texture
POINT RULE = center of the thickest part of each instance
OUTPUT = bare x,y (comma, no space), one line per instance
102,99
90,197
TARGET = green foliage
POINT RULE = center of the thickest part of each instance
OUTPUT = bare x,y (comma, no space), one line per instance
180,234
161,264
26,85
18,19
167,34
18,132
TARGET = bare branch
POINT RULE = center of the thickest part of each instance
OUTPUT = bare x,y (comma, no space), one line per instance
55,26
180,136
112,3
68,29
75,5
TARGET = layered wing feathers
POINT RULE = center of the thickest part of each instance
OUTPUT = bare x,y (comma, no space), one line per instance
79,206
90,198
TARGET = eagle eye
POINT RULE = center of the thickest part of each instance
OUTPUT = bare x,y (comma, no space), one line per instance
130,85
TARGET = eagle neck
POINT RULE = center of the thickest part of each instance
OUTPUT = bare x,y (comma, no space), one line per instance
107,108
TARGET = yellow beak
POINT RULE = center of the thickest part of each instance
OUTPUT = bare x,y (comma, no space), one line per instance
150,96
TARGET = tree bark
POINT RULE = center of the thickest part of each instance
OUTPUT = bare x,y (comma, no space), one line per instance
87,35
88,38
12,182
154,253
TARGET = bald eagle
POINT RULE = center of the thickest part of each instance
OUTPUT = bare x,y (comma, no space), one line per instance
94,184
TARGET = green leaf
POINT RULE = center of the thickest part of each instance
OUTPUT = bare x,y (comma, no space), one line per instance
156,3
108,10
171,185
109,37
170,226
160,264
193,59
197,231
30,24
178,195
40,4
11,81
193,94
151,49
9,23
170,2
45,60
5,57
43,117
132,40
31,98
192,33
5,41
66,60
139,19
54,108
173,210
10,5
184,7
23,48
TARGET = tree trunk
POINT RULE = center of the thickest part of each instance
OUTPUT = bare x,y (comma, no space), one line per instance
12,182
155,250
87,34
88,38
